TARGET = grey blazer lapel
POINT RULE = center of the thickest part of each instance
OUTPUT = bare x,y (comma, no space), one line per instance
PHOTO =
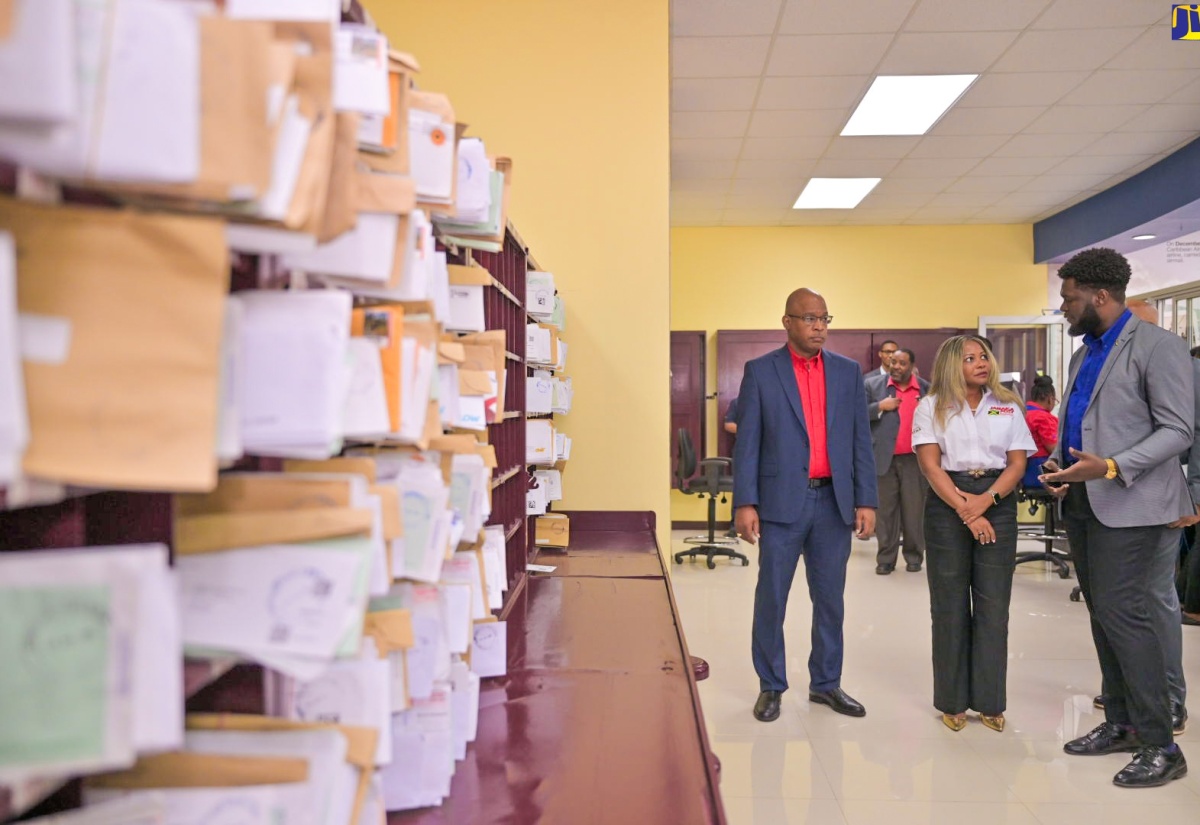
1073,373
1122,341
787,377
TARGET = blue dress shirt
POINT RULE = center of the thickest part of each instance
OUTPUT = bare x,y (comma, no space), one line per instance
1085,382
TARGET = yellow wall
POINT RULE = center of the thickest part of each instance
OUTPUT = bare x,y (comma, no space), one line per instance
875,276
577,95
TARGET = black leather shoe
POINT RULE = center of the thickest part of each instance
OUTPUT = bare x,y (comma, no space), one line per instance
1105,738
913,568
1153,766
1178,719
839,700
883,569
766,709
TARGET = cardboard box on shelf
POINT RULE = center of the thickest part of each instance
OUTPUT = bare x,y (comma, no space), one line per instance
552,530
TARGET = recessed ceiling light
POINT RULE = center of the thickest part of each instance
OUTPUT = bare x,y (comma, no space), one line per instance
1144,237
906,104
834,193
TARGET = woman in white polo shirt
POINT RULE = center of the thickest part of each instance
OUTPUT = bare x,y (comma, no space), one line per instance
971,441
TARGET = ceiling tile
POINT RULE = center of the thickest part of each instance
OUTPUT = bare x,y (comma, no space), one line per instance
1064,51
945,52
1165,117
1020,89
698,200
1013,166
1138,143
777,200
795,148
751,217
702,169
876,217
957,146
964,200
827,54
1032,200
1062,120
934,167
768,186
823,17
709,124
1075,14
1107,87
720,17
866,147
713,94
1045,146
784,123
973,15
924,185
812,92
1189,94
1154,50
901,201
705,149
777,169
864,168
1003,120
679,184
994,184
719,56
1064,184
1110,165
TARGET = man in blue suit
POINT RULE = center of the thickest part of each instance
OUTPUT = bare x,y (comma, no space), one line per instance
804,478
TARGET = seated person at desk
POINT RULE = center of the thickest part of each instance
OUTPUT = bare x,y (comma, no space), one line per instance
1043,425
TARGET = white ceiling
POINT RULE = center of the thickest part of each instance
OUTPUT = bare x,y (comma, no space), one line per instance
1073,97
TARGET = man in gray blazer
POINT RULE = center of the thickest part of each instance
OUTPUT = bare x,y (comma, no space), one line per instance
891,401
1128,414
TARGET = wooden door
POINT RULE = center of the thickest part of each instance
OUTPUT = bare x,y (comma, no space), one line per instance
687,393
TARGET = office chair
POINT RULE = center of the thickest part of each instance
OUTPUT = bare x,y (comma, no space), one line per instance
1031,491
716,478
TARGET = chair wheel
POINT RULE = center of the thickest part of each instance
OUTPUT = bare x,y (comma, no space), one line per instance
711,564
1065,573
678,560
745,562
1075,595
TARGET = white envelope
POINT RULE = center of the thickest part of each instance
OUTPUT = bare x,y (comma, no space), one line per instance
464,707
37,63
251,804
539,392
463,569
14,417
229,412
539,442
423,757
489,650
439,285
356,693
494,569
456,602
431,154
140,809
303,10
365,252
473,187
538,346
539,292
466,308
366,413
360,70
551,481
449,408
290,146
536,501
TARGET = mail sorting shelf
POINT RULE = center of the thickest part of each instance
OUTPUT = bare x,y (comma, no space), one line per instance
504,309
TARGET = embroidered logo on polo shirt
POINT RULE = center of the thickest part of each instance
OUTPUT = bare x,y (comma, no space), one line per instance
1000,411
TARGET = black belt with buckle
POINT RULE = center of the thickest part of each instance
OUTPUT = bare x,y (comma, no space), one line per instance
820,482
981,473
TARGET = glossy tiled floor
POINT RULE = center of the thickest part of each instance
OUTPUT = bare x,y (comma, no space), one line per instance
899,765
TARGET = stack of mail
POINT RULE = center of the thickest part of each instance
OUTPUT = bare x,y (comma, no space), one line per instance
294,368
277,569
539,294
487,233
474,196
93,670
432,143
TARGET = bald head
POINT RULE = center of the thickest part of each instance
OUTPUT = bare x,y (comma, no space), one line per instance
801,298
1143,310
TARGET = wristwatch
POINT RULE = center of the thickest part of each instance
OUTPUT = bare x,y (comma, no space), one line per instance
1112,469
995,497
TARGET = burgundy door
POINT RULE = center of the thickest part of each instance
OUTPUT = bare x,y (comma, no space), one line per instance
687,393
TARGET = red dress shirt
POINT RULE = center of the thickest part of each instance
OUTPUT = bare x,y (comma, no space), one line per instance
810,378
908,396
1043,424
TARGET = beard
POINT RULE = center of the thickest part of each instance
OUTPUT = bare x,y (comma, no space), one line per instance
1088,322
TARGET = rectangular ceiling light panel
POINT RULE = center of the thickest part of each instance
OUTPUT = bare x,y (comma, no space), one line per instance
834,193
906,104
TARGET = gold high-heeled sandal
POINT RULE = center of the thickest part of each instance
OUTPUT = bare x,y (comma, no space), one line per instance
996,722
954,721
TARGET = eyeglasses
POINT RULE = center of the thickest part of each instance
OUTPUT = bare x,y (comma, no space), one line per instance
812,319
